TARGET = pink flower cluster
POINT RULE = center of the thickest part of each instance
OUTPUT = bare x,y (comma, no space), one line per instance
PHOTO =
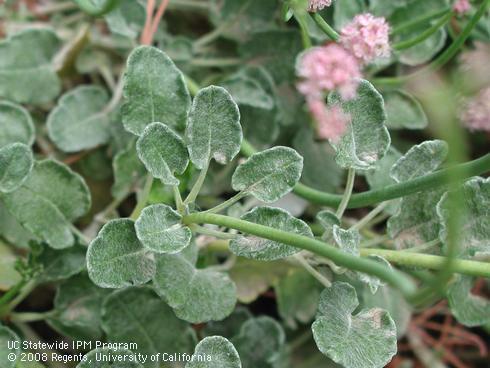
476,114
316,5
332,122
367,37
461,7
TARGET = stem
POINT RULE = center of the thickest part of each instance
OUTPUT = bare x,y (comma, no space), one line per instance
158,18
392,277
325,27
311,270
470,268
55,8
143,198
216,62
26,290
211,232
11,293
423,247
211,36
227,203
190,4
417,21
31,317
197,185
305,36
371,215
402,45
88,7
351,176
178,200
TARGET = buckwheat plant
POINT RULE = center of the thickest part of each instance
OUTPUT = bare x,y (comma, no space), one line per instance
244,183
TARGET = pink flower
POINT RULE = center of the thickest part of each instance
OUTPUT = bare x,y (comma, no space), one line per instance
461,7
476,114
328,68
316,5
331,121
367,37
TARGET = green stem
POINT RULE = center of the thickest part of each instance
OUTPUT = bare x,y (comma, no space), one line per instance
470,268
418,21
24,292
88,7
311,270
423,247
392,277
325,27
351,176
305,36
179,204
371,215
143,198
227,203
31,317
197,185
11,293
216,62
402,45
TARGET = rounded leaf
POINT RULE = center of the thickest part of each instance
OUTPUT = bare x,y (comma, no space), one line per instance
15,124
404,111
163,152
116,258
16,163
159,229
270,174
222,354
214,129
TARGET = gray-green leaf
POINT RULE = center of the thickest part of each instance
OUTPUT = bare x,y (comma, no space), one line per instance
163,152
127,19
159,228
214,129
366,340
60,264
26,71
196,295
404,111
128,170
6,337
270,174
79,121
105,358
221,352
116,258
264,249
367,139
15,124
155,91
16,163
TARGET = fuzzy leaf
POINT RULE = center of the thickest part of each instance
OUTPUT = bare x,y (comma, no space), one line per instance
79,122
155,91
61,264
366,340
116,258
7,336
105,358
138,315
196,295
270,174
347,240
127,19
128,170
163,152
264,249
214,129
159,229
248,92
15,124
26,71
78,304
474,230
49,199
16,163
404,111
222,354
469,309
367,139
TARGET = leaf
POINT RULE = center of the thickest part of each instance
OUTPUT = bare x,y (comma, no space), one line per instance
128,170
137,315
328,220
159,228
367,139
6,337
264,249
155,91
127,19
16,163
49,199
469,309
163,152
404,111
230,326
219,351
261,343
270,174
9,276
15,124
78,304
474,229
347,240
61,264
420,160
26,71
297,297
214,129
105,358
248,92
366,340
196,295
79,121
117,259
